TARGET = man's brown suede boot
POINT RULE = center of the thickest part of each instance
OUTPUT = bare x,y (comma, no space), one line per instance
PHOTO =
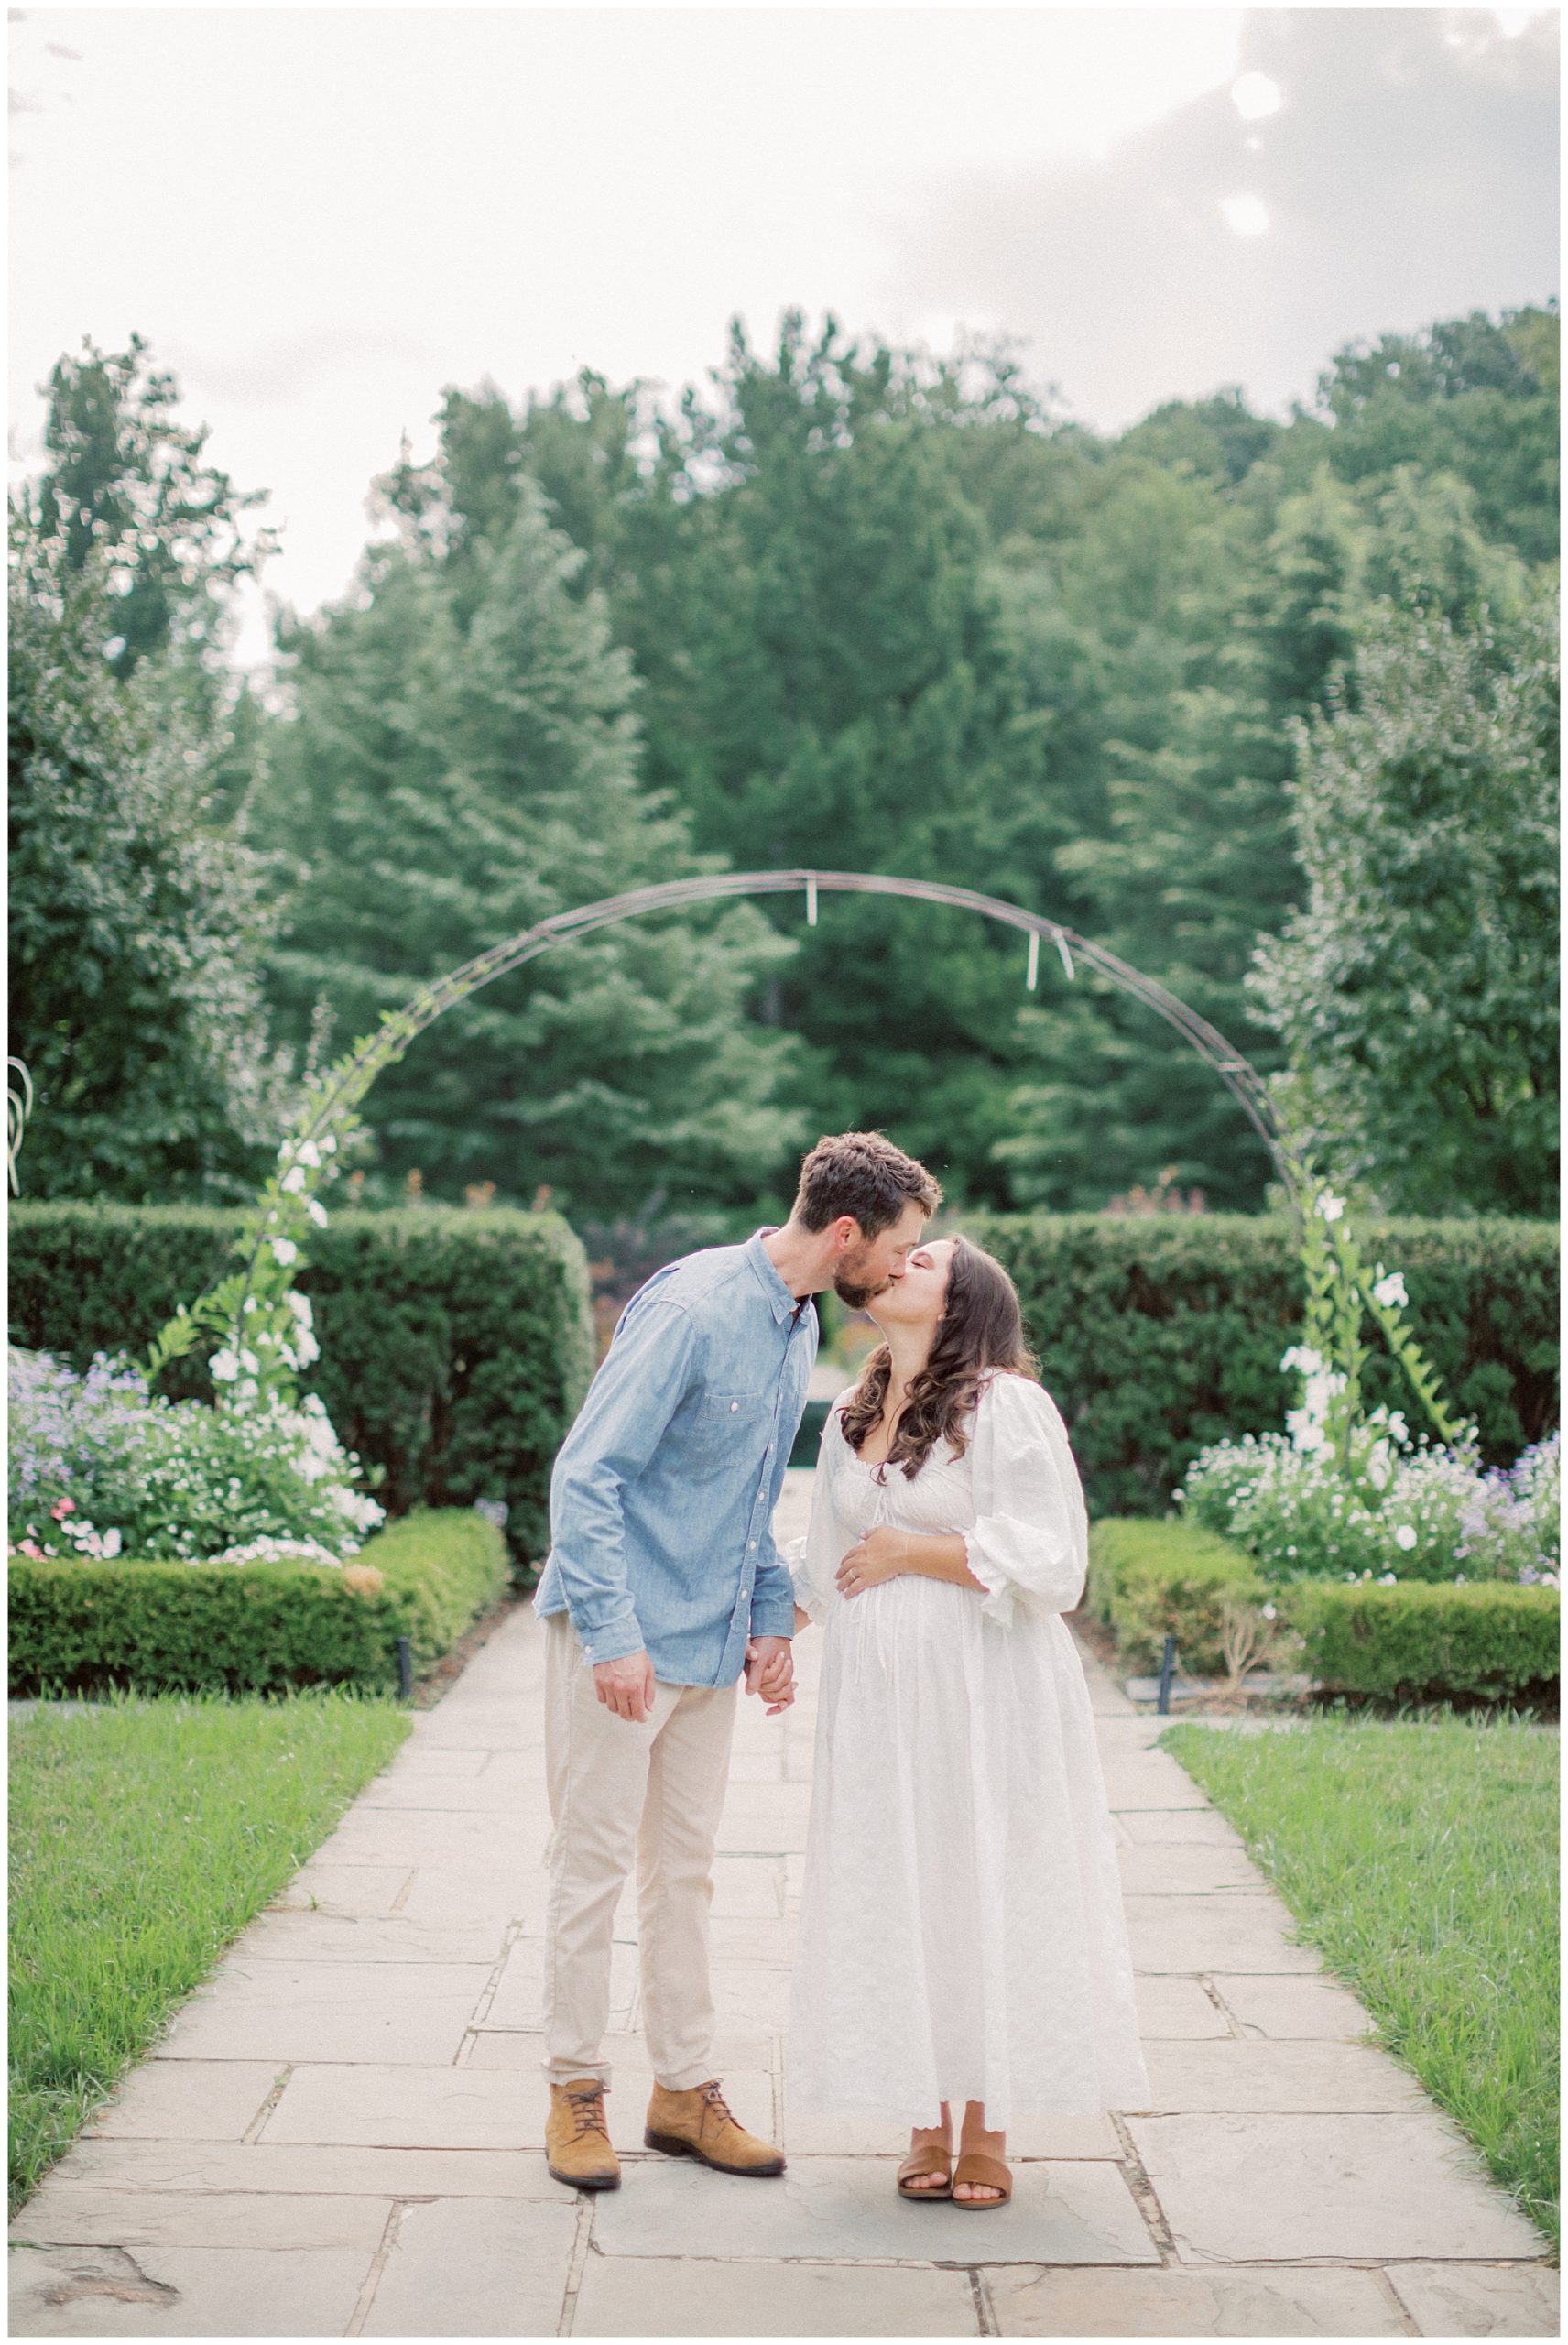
576,2138
697,2124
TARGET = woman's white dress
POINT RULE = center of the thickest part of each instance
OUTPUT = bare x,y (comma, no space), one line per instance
962,1935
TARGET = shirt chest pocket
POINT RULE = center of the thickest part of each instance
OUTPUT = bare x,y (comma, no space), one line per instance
734,1421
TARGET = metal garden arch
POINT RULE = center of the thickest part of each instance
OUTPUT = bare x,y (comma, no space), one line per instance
1240,1077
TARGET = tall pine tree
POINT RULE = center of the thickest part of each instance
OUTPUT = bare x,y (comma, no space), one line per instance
463,761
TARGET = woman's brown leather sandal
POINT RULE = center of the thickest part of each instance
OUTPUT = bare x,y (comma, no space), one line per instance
990,2173
932,2159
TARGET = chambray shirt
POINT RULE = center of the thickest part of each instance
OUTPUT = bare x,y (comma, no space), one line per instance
662,1497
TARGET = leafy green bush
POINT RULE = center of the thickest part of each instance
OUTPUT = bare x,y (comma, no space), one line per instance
1425,1640
455,1347
252,1628
1149,1580
1161,1334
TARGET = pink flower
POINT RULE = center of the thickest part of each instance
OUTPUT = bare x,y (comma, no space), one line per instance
66,1506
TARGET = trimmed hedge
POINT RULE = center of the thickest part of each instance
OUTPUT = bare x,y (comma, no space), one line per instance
1423,1639
252,1628
1158,1334
1419,1641
1149,1580
456,1347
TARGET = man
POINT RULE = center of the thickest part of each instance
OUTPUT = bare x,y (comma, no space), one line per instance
662,1585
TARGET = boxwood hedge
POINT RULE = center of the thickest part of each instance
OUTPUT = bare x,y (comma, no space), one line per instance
1425,1640
1158,1334
1150,1580
252,1628
455,1345
1420,1640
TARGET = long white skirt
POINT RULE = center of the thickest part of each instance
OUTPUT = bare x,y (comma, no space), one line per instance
962,1935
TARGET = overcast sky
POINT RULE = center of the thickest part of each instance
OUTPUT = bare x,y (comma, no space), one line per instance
319,217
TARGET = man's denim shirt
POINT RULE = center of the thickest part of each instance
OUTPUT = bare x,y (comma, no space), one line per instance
662,1497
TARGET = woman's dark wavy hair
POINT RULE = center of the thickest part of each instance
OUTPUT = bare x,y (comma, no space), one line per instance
980,1334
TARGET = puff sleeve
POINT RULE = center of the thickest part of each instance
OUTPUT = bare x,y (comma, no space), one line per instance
813,1560
1031,1539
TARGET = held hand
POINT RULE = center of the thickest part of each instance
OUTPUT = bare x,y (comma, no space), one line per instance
625,1686
770,1672
882,1555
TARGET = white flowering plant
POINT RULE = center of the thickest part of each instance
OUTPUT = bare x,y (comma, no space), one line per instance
1349,1492
260,1321
100,1466
1437,1516
1341,1292
259,1474
1360,1498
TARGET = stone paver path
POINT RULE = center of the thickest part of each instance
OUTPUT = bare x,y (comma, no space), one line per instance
341,2134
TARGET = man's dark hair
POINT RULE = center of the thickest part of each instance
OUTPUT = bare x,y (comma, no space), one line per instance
864,1174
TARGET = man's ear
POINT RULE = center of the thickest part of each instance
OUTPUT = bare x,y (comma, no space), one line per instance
846,1232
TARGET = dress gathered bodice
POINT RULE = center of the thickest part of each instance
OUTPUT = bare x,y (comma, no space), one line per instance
939,1498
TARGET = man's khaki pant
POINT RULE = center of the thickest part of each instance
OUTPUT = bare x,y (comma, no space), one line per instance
655,1790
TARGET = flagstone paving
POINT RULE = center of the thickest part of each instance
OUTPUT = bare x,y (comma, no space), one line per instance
341,2132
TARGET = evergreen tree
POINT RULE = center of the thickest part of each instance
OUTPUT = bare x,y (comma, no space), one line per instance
463,761
894,613
1247,606
799,575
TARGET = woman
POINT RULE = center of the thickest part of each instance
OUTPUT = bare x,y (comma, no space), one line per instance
962,1944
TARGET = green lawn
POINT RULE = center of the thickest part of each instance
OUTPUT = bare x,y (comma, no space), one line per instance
1420,1858
144,1836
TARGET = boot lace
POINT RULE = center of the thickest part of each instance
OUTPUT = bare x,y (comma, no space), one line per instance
716,2100
587,2108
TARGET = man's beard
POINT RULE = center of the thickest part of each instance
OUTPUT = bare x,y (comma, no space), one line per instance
850,1291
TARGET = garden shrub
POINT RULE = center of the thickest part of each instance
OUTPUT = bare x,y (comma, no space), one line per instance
1149,1580
252,1628
1425,1640
1161,1334
455,1345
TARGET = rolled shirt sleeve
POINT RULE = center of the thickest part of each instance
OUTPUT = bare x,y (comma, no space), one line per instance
1031,1539
643,1379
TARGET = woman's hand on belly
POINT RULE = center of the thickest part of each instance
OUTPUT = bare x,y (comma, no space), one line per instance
885,1554
882,1555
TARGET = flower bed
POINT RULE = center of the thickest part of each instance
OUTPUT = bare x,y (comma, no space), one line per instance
1420,1512
252,1627
454,1347
100,1466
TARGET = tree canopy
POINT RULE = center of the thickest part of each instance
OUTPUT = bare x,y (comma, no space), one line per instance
1181,688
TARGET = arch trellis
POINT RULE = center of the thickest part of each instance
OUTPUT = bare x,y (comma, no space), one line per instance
250,1308
255,1315
1240,1077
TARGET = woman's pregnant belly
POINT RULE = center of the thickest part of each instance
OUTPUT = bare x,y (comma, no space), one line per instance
900,1633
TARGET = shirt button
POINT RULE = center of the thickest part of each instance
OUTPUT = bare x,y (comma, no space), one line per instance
754,1547
733,1406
